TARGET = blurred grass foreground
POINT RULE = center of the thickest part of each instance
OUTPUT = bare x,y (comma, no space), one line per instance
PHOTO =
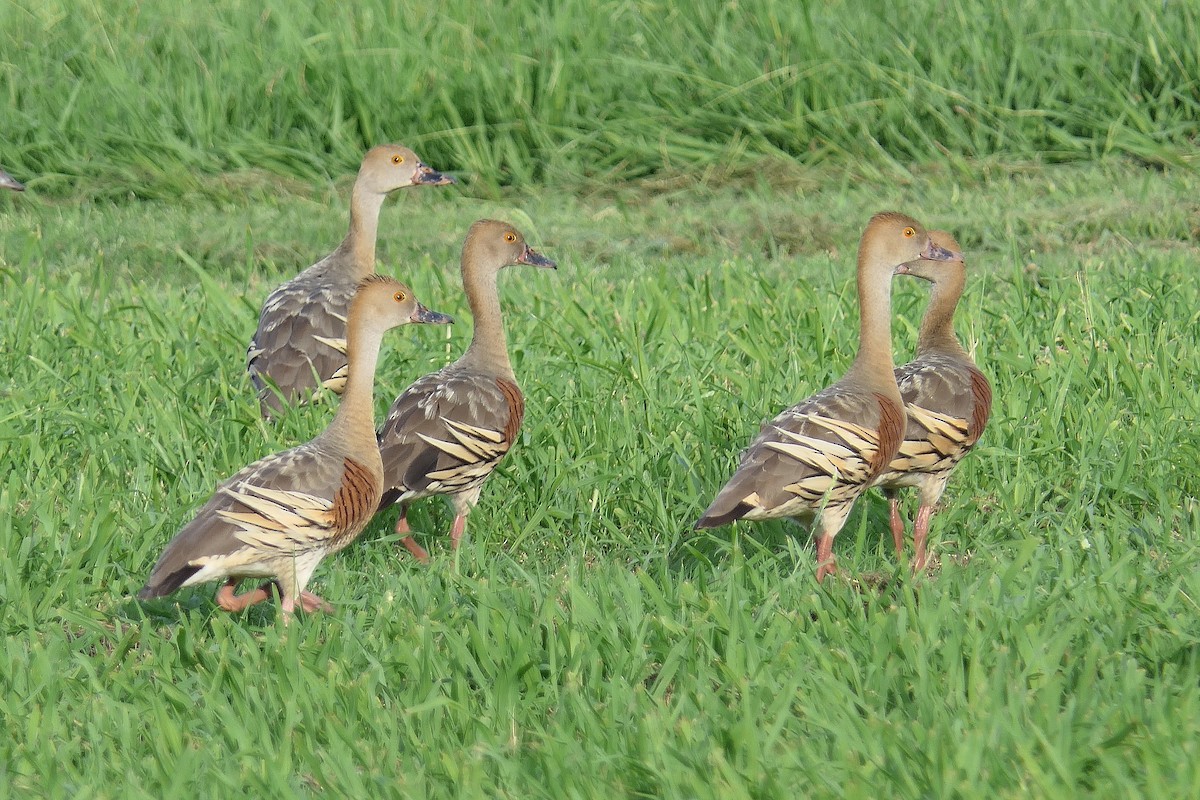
155,94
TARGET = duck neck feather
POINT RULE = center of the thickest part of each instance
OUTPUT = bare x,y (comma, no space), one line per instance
873,366
357,250
353,426
937,326
488,350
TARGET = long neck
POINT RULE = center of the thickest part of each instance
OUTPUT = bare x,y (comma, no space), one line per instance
354,423
489,345
937,326
873,366
357,250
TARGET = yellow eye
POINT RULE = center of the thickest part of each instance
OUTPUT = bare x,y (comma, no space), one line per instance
910,232
399,297
510,237
397,159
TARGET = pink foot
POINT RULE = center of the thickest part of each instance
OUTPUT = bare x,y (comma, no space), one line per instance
408,541
227,600
312,604
420,553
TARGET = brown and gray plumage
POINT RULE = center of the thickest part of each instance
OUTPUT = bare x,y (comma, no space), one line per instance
947,399
814,459
300,344
281,515
447,432
9,182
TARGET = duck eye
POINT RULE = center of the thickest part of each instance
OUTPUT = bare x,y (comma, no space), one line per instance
910,232
399,297
510,237
397,159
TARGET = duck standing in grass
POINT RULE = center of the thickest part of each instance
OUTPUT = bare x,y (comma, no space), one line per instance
447,432
947,399
300,344
281,515
814,459
9,182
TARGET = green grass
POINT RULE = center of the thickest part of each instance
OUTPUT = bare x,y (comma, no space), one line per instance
702,180
154,97
583,642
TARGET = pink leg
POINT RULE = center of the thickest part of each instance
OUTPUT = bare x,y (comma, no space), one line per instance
408,541
826,563
227,600
420,553
920,535
288,608
456,530
312,604
897,524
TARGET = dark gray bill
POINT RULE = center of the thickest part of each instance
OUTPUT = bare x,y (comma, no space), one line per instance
428,176
423,314
933,252
535,259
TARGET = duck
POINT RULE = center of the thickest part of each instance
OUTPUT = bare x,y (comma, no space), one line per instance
300,343
9,182
947,401
813,460
279,516
445,434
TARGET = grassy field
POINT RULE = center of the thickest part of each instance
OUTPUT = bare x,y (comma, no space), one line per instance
702,182
150,96
583,642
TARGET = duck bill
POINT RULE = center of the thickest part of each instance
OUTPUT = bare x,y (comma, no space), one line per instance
933,252
9,182
427,317
535,259
428,176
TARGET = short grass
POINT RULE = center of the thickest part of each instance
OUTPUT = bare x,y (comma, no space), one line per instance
583,642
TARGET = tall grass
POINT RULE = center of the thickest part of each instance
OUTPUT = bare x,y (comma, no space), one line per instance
151,96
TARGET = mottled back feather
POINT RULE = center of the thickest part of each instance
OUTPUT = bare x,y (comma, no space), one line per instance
823,451
447,432
296,345
308,468
948,402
